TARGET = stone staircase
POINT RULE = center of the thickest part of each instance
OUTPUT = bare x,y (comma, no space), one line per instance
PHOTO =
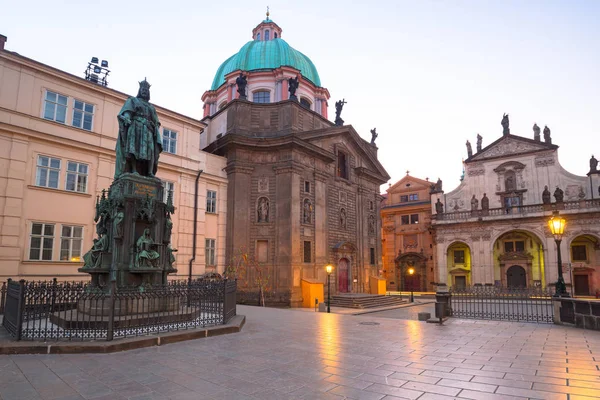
361,301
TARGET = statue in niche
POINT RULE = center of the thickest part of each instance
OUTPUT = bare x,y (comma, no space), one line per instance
559,195
307,212
118,224
371,225
505,125
292,87
546,195
474,203
263,210
92,258
241,82
146,256
593,164
509,183
547,137
479,142
469,150
168,229
139,142
485,202
373,135
343,218
170,252
536,132
439,207
338,111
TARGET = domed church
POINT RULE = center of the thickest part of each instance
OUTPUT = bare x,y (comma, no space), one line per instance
302,191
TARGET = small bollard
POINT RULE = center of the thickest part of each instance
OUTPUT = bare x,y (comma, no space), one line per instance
322,307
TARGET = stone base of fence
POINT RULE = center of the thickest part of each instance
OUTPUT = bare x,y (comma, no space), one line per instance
581,313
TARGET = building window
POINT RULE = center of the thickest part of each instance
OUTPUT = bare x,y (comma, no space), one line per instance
267,35
371,205
210,252
169,188
372,255
41,242
459,256
414,218
48,170
55,107
404,198
261,96
307,251
258,36
404,219
305,103
83,115
342,167
306,187
275,35
222,106
514,246
70,243
579,252
413,197
262,251
170,141
77,174
211,201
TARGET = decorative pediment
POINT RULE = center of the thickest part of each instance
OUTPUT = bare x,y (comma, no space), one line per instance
513,256
509,146
459,271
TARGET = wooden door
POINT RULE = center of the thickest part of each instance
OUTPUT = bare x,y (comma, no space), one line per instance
343,275
582,285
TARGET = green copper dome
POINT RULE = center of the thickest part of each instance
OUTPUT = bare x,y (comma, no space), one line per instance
266,55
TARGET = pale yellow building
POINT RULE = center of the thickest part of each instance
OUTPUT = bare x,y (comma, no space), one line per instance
57,140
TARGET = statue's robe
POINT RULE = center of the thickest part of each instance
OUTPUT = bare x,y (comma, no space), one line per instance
141,139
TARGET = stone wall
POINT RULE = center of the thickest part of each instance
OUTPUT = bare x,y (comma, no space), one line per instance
583,314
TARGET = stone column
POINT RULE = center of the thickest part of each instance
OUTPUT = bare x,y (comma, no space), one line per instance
442,262
320,219
238,206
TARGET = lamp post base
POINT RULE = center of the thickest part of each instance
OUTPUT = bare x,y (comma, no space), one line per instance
561,288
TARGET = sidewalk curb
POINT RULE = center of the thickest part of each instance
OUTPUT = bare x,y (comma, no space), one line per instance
369,311
31,347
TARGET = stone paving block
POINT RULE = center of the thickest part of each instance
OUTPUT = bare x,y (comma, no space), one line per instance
474,395
356,394
394,391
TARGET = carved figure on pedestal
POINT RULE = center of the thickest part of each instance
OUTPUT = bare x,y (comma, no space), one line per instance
118,224
559,195
139,142
307,212
92,258
474,203
479,142
343,218
371,225
170,252
547,137
469,149
593,164
536,132
292,87
263,210
241,82
168,229
439,207
146,256
505,125
485,202
373,135
546,195
437,187
338,111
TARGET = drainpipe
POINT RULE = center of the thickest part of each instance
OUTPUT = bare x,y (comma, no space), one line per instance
195,227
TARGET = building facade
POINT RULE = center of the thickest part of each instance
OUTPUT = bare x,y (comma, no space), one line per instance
407,240
493,228
57,154
302,191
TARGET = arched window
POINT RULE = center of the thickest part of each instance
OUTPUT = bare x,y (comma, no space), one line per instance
258,36
222,105
275,35
261,96
304,102
267,37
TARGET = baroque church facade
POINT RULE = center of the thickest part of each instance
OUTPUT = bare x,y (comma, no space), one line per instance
303,192
493,228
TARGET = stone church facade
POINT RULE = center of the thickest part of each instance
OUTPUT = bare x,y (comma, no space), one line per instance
493,228
302,193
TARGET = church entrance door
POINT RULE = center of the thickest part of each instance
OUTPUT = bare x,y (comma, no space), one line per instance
343,266
515,277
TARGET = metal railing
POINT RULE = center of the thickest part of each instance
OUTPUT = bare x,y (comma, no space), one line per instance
503,304
54,310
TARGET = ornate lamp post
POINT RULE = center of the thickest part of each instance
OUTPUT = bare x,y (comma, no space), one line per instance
557,227
411,272
329,270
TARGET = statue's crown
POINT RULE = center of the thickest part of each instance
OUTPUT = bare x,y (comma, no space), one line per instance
145,84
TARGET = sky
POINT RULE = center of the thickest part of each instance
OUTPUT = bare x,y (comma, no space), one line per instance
429,75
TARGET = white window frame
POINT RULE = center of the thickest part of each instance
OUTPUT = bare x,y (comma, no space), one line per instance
83,112
48,168
71,243
43,237
78,175
210,248
56,105
168,139
211,201
169,186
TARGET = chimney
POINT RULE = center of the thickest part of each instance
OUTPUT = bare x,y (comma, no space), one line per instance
3,40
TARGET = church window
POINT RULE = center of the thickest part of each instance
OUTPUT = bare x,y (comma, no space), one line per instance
267,36
517,246
342,165
306,187
307,251
261,96
275,35
258,36
579,252
223,104
372,255
304,102
459,256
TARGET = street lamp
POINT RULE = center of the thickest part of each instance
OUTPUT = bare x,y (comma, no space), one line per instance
411,272
329,270
557,227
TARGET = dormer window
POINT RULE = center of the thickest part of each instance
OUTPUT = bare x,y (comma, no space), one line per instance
258,36
267,37
304,102
261,96
275,35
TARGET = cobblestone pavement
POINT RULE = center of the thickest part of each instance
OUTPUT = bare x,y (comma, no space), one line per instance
283,354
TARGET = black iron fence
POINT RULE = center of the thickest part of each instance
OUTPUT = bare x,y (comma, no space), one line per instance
503,304
54,310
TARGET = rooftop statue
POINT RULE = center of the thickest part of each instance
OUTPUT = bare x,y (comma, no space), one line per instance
593,164
547,137
373,135
559,195
338,111
505,123
546,199
292,87
536,132
241,82
469,149
139,142
479,141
